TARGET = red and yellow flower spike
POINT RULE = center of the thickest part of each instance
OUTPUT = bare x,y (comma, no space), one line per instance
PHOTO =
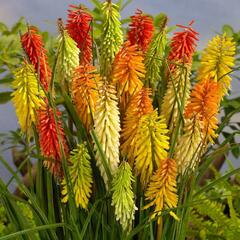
162,189
27,96
84,93
127,72
139,105
107,128
217,61
33,45
52,139
151,147
183,44
79,28
80,173
204,103
141,30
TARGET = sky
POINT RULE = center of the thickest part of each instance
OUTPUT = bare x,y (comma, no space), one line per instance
209,16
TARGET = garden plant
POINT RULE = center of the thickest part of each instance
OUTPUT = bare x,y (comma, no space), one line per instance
119,129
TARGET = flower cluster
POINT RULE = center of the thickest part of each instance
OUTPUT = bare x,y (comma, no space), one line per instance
131,102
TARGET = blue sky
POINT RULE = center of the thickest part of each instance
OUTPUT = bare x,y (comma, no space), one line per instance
209,15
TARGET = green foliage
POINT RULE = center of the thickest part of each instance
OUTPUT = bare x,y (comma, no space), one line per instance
6,227
215,213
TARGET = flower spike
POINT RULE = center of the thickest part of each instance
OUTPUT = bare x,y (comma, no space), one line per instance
68,55
141,30
33,45
127,73
79,29
107,128
27,96
112,37
162,189
217,61
123,197
183,44
154,55
189,146
51,139
84,92
139,105
80,173
152,144
204,103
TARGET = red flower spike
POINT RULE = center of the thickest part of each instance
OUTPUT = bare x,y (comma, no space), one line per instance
141,30
183,44
79,29
49,140
33,45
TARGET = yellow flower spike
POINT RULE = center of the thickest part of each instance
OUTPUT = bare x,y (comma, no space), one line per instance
139,105
107,128
80,173
84,92
177,95
68,55
123,196
189,145
27,96
152,144
162,189
154,55
217,61
128,71
112,36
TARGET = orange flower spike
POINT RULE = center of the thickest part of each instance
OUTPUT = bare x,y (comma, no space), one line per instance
183,44
204,102
139,105
128,71
141,30
33,45
84,92
49,140
79,29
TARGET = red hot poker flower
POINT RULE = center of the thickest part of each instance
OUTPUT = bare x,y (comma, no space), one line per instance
33,45
183,44
141,30
79,29
204,103
50,140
